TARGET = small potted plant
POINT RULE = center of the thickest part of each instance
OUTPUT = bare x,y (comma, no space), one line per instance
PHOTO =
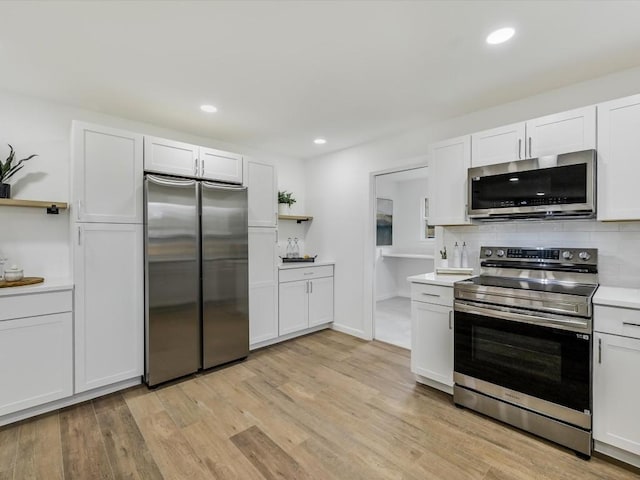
285,200
444,261
8,169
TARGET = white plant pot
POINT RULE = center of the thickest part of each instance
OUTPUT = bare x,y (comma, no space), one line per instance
444,263
284,209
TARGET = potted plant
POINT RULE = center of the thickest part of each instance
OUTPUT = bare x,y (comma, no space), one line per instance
444,262
8,169
285,200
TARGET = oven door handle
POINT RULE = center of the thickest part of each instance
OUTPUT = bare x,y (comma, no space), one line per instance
574,325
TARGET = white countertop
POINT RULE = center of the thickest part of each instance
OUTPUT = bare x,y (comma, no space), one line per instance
435,279
287,266
49,285
617,297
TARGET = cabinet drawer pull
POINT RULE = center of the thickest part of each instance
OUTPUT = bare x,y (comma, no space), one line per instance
310,287
431,294
631,324
519,149
309,273
195,168
599,350
450,325
530,154
306,287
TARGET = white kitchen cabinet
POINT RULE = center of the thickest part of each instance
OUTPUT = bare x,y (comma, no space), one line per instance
618,147
448,164
305,298
616,390
498,145
36,351
263,194
186,160
563,132
109,312
432,335
107,174
263,285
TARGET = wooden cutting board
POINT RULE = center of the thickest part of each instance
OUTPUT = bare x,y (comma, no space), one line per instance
20,283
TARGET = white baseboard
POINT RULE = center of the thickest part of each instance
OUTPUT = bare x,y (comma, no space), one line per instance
65,402
282,338
386,296
617,453
351,331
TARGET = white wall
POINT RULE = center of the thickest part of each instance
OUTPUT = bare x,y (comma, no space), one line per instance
338,188
39,242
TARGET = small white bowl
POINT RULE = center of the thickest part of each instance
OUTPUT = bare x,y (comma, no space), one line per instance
12,275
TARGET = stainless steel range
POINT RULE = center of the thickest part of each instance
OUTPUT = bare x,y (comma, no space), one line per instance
522,338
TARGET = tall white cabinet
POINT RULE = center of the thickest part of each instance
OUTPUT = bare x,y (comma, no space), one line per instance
107,239
263,248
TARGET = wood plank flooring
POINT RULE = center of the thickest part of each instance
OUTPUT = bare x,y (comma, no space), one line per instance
325,406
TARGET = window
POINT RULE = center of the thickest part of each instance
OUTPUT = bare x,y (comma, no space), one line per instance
384,222
427,231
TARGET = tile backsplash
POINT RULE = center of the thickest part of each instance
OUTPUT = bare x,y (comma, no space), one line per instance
618,243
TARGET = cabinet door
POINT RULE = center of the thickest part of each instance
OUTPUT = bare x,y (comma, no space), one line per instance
263,194
498,145
616,389
293,306
320,301
109,312
220,166
263,284
563,132
448,164
107,174
432,342
618,147
173,158
37,361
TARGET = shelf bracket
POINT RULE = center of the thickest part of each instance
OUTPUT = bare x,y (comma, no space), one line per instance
53,210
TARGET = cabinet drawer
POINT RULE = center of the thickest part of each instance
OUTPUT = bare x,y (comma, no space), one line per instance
305,273
617,321
422,292
35,304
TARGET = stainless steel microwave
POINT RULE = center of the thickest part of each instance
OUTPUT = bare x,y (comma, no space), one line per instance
546,187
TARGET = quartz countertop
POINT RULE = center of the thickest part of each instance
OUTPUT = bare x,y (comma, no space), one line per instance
287,266
617,297
434,279
49,285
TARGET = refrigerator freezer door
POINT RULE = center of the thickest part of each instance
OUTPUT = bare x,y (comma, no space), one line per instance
172,278
225,282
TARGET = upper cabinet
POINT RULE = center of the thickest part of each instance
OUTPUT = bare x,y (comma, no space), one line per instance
186,160
107,174
448,164
263,194
618,147
563,132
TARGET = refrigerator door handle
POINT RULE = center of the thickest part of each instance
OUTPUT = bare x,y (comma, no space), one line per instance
222,186
170,182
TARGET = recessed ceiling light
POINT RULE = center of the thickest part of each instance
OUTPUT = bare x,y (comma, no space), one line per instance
514,179
501,35
208,108
319,141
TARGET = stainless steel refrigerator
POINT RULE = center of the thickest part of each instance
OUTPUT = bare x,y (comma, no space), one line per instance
196,276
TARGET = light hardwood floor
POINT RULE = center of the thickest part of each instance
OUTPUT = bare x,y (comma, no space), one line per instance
325,406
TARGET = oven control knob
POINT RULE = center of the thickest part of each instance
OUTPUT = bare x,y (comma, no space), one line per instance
488,252
500,253
567,255
584,256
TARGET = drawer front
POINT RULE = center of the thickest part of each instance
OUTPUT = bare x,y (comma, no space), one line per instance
438,294
35,304
616,321
305,273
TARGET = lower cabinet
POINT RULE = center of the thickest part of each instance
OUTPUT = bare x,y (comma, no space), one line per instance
305,298
616,391
109,307
432,335
263,284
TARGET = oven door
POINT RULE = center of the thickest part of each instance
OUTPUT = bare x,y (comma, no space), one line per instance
534,365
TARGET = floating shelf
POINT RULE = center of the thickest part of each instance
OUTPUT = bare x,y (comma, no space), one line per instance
52,207
297,218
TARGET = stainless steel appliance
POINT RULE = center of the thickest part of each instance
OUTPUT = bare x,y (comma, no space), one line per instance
551,186
522,340
196,276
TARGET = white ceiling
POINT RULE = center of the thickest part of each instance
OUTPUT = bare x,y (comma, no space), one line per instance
284,72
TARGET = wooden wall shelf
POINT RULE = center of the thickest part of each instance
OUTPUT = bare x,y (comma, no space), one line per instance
297,218
52,207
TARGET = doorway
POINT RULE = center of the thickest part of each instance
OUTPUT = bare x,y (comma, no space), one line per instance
404,246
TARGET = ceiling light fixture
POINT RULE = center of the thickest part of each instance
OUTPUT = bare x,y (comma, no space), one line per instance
208,108
319,141
501,35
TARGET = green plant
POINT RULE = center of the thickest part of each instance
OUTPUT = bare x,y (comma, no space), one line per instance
443,253
286,197
8,169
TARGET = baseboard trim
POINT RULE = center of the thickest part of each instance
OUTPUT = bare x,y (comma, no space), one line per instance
288,336
630,460
351,331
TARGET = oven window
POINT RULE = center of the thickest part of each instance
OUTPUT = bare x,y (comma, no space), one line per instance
537,358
